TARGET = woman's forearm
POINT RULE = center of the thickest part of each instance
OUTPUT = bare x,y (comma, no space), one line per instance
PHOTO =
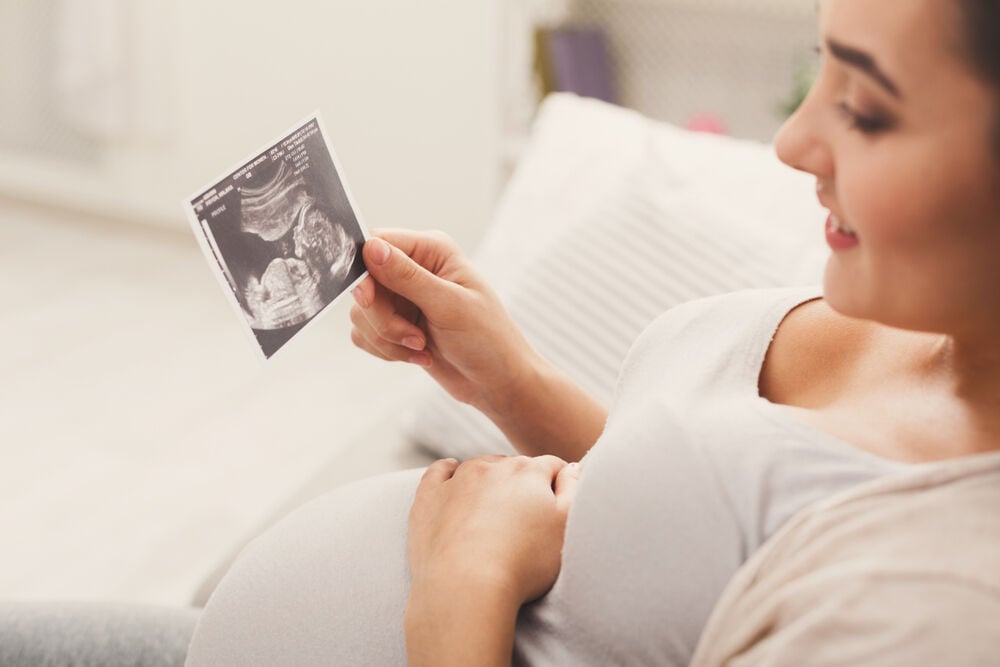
547,413
460,627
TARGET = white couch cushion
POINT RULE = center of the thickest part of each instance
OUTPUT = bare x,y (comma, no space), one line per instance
609,220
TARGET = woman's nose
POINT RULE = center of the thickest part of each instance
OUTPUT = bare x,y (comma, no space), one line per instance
801,142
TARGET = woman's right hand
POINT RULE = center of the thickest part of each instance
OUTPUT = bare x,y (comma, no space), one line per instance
423,303
483,538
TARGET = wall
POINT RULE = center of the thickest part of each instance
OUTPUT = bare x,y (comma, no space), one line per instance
409,92
735,60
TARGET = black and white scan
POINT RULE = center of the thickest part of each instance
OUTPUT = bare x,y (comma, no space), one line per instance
284,235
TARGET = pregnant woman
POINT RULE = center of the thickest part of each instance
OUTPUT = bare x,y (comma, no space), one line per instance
732,414
612,539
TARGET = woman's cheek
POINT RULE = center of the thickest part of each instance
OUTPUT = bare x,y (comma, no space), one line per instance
875,215
886,203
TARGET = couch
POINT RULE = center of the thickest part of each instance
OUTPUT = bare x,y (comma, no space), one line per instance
609,219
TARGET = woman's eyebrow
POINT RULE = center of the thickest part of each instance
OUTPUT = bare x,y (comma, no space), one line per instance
862,61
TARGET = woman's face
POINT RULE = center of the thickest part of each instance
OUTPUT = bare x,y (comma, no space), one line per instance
899,132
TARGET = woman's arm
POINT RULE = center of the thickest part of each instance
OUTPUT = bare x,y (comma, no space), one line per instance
484,538
548,414
457,624
423,303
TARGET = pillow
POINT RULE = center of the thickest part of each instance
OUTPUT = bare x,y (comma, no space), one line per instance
578,152
610,220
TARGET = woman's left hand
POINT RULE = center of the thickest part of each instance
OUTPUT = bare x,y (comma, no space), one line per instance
485,537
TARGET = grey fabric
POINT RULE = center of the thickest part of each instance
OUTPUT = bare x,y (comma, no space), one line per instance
36,634
326,586
694,471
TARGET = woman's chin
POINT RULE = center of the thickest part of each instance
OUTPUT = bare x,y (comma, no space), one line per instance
841,289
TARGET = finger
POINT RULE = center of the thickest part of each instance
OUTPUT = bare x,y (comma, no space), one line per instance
486,459
397,271
565,486
549,464
438,472
479,466
365,339
364,292
429,249
491,458
360,342
397,332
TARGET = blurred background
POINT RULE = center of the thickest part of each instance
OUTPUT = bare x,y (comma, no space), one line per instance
140,440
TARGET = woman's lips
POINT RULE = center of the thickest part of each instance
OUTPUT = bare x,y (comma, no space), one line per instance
838,236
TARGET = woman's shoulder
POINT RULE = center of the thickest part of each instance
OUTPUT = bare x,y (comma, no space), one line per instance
812,354
738,310
711,340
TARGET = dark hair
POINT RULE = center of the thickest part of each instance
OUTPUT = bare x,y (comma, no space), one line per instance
981,34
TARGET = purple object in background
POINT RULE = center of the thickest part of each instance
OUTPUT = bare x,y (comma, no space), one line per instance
577,62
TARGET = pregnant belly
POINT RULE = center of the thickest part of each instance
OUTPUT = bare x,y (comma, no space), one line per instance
326,586
649,546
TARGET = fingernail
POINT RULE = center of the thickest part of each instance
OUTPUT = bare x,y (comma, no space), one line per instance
359,297
380,250
421,359
414,343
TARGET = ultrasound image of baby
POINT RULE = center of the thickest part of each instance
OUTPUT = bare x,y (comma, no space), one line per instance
311,256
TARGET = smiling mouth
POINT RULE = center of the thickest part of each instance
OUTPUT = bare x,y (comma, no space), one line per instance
839,226
838,235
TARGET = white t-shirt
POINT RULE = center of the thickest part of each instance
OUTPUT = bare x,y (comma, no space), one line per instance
693,473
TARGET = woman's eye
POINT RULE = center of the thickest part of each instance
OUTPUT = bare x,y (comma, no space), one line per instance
864,123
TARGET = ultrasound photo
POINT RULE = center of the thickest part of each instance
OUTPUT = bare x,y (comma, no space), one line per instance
283,233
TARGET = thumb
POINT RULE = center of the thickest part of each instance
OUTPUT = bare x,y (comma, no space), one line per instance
399,273
565,487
